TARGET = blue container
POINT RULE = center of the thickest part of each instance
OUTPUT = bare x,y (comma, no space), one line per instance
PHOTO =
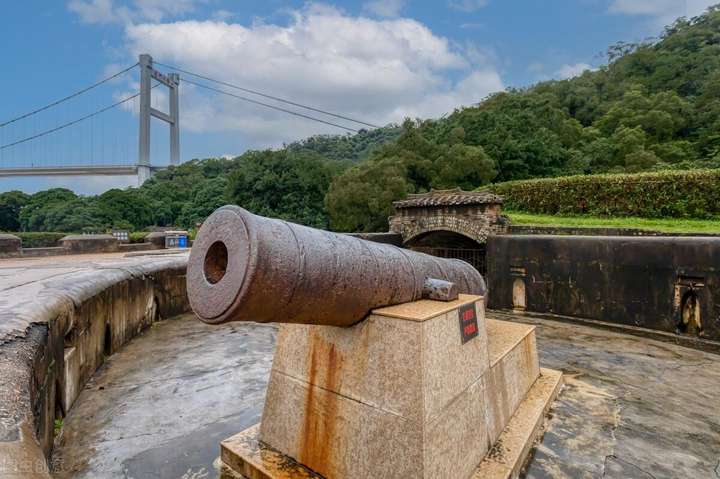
182,241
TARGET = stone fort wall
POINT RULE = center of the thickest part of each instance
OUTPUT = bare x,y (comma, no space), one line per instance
669,284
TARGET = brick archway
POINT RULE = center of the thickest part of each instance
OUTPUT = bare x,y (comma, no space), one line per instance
445,223
450,223
473,214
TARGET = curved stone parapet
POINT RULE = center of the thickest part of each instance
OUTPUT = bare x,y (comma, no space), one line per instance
59,319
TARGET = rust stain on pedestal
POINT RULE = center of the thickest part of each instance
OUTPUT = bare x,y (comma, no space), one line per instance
320,416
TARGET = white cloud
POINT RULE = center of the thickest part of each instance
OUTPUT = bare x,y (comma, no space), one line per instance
467,5
94,11
568,71
664,12
384,8
376,70
536,67
222,15
106,11
156,10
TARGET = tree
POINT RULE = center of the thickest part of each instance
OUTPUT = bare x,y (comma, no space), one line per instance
353,148
464,166
11,202
170,190
129,206
78,215
360,200
527,134
662,116
34,214
283,184
205,198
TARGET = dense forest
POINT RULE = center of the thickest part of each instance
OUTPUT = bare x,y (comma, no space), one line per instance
654,106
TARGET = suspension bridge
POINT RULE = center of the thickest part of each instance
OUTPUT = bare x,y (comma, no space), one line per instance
98,131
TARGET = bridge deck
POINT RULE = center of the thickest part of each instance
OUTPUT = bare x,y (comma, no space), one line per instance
119,170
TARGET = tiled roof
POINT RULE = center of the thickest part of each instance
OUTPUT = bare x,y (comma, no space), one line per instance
448,198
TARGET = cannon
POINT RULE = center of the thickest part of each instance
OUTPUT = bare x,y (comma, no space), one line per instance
245,267
404,388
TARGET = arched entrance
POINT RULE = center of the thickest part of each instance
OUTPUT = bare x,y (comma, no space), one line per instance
448,244
519,297
450,223
690,317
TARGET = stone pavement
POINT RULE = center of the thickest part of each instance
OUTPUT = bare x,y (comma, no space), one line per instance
161,406
632,408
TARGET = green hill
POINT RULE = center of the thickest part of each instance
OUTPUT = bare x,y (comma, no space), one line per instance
654,106
351,148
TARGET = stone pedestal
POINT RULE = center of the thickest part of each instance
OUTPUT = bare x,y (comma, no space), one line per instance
420,390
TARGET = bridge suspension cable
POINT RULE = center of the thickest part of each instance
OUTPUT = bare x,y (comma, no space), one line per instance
90,145
64,99
267,105
73,122
265,95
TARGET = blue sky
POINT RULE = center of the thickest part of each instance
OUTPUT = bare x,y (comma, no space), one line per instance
379,61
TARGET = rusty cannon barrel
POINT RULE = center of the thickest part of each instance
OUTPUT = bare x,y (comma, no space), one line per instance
245,267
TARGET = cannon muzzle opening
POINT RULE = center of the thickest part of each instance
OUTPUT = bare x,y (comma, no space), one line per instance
245,267
216,260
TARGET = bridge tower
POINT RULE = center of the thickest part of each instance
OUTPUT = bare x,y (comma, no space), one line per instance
172,81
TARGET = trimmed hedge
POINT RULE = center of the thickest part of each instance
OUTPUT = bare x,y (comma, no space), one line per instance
39,239
138,236
679,194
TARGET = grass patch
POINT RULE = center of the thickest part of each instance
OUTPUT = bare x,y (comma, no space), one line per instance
665,225
57,426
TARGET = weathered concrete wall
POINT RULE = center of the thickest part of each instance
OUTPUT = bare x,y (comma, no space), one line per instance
638,281
55,332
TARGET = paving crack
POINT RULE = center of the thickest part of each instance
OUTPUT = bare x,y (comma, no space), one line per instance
694,365
164,379
615,425
123,438
627,463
